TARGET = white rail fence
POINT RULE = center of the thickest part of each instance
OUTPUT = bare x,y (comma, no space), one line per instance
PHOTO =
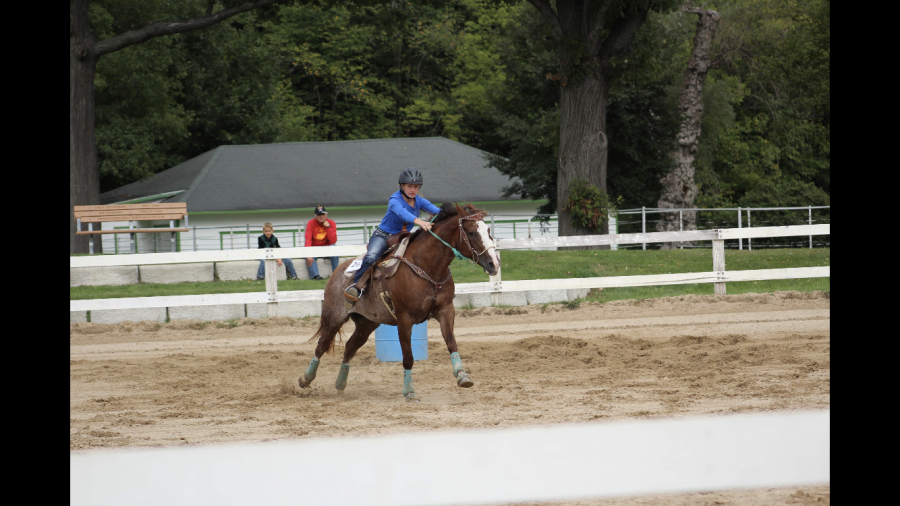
644,211
719,276
561,462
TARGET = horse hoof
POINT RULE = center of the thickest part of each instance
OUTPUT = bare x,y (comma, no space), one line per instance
412,397
303,383
463,380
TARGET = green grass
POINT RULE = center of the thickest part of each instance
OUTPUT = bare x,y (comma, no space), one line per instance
518,265
158,289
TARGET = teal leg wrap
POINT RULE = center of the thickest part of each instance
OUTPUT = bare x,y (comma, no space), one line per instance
407,383
310,373
341,382
456,362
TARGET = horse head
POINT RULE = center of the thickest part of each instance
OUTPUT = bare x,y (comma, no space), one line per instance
475,239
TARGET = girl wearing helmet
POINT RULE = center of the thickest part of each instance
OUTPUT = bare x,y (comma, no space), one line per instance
403,209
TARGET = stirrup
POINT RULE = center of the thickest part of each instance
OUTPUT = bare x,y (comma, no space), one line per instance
352,297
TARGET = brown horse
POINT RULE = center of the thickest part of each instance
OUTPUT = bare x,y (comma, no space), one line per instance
422,288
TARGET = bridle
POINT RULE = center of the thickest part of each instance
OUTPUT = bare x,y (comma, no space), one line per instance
462,234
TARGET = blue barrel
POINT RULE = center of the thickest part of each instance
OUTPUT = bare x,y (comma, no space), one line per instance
387,343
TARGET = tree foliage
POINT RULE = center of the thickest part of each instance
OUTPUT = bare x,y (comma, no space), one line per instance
485,73
171,98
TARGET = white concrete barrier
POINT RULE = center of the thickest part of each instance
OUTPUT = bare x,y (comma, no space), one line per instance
77,316
577,293
238,271
546,296
207,313
177,273
97,276
461,300
552,463
480,299
156,314
513,299
294,309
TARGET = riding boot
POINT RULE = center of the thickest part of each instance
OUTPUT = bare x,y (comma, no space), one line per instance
359,282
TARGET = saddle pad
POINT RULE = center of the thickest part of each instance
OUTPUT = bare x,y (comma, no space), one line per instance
388,267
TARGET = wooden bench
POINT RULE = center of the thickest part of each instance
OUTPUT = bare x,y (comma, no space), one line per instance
131,213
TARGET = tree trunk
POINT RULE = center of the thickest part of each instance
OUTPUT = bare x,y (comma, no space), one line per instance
84,178
679,188
582,145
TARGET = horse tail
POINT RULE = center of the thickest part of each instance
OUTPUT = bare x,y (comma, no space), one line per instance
318,331
318,334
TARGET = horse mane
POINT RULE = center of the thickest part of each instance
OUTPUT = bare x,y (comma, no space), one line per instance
448,210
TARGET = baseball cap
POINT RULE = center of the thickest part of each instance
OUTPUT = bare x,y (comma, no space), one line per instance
321,210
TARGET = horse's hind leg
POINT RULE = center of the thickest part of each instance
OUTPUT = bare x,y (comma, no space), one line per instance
364,328
329,326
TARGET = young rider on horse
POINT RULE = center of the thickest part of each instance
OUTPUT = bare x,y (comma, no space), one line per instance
403,208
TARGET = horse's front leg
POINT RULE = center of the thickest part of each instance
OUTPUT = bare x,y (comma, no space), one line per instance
446,316
404,332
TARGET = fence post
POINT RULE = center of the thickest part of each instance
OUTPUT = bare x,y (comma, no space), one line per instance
231,229
718,249
133,242
613,229
810,222
248,236
740,239
195,237
749,240
271,284
495,296
529,227
643,224
681,226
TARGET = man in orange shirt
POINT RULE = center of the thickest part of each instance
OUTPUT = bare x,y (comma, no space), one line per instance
320,231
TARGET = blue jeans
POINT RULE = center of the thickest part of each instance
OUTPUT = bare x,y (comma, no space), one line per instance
314,268
261,273
377,247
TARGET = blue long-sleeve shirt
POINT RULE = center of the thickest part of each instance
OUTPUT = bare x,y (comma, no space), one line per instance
400,213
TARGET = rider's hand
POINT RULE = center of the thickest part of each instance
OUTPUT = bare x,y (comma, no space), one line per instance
309,262
424,224
278,261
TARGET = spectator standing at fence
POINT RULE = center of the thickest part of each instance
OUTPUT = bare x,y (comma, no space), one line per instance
268,240
320,231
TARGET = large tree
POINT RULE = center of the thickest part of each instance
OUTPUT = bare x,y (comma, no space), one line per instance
589,35
679,188
84,51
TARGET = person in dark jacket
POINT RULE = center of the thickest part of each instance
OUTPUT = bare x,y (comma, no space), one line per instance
268,240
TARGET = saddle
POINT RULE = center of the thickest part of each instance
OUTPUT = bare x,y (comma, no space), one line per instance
387,264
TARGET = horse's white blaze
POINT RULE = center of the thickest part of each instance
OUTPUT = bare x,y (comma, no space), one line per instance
488,243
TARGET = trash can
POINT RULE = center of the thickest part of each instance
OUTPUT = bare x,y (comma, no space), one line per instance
387,343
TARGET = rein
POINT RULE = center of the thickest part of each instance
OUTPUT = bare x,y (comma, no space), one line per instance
422,274
462,234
